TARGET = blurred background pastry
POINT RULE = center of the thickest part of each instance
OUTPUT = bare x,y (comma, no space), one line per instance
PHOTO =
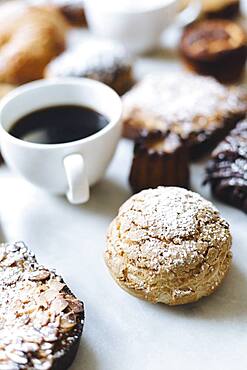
102,60
73,10
5,89
28,42
159,159
215,47
221,8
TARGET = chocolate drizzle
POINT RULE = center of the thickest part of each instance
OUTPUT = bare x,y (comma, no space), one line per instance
227,170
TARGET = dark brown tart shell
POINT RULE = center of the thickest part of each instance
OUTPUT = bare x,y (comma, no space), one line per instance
216,48
159,159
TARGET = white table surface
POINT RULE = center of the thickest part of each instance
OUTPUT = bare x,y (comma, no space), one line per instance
122,332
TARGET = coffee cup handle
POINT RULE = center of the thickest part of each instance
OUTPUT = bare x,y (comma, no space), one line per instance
78,191
190,13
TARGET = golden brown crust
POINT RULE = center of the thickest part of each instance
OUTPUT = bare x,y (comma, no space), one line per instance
168,245
5,89
29,42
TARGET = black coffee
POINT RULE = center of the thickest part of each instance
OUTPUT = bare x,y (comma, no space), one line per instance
58,124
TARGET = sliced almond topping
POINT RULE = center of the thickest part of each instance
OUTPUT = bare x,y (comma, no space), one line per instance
39,275
9,366
75,305
45,365
28,347
17,357
41,318
68,321
58,305
56,285
49,295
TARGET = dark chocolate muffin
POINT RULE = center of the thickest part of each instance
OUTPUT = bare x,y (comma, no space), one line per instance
101,60
159,159
41,320
216,48
227,170
198,109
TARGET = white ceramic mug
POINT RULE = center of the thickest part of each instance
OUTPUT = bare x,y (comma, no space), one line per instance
68,168
139,27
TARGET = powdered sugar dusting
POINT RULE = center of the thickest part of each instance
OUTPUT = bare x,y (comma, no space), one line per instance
35,311
92,56
168,213
168,245
184,101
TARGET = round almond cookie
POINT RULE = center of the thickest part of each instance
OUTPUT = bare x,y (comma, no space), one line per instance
168,245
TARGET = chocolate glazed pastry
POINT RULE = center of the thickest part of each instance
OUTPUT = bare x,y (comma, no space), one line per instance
215,47
41,320
227,170
198,109
159,159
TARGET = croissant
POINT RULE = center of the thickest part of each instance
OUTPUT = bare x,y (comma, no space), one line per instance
30,37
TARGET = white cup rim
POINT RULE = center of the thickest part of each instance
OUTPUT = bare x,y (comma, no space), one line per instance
135,11
70,81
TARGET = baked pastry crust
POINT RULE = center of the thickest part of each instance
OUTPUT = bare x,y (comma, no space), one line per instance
5,89
227,169
101,60
33,37
159,159
216,48
168,245
199,109
41,321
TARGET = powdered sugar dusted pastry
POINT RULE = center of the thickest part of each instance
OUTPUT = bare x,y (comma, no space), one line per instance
199,109
41,321
168,245
102,60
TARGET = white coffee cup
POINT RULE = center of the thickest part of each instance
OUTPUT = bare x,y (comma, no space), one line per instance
138,27
68,168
